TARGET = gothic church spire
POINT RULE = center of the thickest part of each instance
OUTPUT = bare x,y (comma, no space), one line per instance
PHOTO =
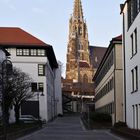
78,11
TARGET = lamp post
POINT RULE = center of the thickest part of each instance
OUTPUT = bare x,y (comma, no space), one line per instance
38,89
6,66
39,93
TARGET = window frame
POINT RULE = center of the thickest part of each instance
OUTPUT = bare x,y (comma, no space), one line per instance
134,80
41,71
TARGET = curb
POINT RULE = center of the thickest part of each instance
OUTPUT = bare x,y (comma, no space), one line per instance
21,133
125,134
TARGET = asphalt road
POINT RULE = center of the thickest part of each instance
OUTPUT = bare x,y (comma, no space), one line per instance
69,128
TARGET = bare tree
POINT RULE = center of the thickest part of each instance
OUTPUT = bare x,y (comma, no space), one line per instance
8,98
21,89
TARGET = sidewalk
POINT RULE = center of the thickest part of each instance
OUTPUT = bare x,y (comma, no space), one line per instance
69,128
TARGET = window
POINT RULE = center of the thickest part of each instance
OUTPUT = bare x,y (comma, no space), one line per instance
40,87
26,52
138,7
81,47
109,108
85,78
135,45
34,87
82,56
137,115
105,90
129,13
80,77
133,10
112,83
134,73
19,52
79,30
133,116
41,70
134,42
33,52
105,68
132,81
41,52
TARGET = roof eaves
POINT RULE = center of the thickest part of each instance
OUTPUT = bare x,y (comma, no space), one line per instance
122,6
51,56
112,42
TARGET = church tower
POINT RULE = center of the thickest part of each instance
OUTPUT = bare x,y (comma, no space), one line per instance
78,67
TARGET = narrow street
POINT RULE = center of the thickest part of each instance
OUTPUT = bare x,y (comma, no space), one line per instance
69,128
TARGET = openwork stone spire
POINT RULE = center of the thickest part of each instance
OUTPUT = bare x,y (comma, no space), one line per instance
78,12
78,61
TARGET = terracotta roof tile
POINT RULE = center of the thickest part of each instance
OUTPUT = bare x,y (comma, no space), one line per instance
10,36
17,36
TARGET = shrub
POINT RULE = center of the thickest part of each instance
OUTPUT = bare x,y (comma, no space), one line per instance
100,117
120,124
60,115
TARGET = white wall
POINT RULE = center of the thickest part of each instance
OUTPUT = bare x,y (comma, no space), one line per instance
131,98
29,65
58,90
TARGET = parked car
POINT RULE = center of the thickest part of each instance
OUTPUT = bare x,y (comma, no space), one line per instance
28,119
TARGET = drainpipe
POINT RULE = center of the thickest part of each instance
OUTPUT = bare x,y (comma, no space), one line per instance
124,68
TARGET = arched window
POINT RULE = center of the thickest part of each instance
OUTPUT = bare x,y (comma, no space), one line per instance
80,77
81,47
82,56
79,30
85,78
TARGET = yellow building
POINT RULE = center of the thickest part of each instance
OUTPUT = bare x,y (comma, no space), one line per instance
109,82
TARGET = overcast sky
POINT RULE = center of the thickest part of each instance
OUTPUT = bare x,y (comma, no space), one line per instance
48,20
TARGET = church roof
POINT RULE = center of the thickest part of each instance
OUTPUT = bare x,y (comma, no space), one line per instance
96,55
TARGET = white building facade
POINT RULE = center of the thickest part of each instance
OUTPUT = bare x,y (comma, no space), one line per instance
37,59
130,11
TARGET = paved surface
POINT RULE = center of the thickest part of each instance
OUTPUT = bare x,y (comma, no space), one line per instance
69,128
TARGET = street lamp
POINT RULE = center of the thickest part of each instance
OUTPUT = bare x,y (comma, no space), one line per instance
38,89
39,93
6,70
